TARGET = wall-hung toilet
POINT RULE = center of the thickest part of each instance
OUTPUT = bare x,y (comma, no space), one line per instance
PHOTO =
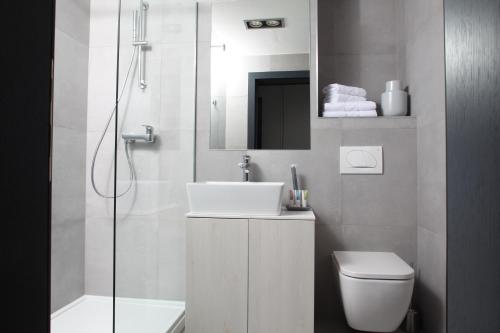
376,289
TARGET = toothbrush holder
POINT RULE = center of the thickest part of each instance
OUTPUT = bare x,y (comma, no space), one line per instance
297,200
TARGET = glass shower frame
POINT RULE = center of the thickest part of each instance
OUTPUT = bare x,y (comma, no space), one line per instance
149,247
134,240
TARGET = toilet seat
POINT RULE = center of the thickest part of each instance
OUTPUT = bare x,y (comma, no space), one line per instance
373,265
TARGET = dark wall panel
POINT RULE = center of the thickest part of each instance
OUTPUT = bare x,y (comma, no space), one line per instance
473,160
25,101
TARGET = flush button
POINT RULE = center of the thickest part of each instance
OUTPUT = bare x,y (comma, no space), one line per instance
361,160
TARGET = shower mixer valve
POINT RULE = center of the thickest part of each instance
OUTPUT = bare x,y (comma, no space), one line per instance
149,137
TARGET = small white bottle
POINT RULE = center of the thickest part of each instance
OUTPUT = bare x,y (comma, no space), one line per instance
394,100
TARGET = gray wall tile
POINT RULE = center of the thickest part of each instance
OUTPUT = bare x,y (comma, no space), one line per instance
431,143
171,254
321,178
70,82
137,257
388,199
69,149
418,13
370,71
425,69
364,26
68,180
359,44
328,304
67,267
73,18
341,225
401,240
431,275
99,256
426,81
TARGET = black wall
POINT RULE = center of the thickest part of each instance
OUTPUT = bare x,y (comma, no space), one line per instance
25,104
473,162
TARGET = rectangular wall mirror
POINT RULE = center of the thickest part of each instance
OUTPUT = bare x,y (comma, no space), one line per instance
259,74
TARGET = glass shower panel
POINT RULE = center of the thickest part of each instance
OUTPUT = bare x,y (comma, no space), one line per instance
156,116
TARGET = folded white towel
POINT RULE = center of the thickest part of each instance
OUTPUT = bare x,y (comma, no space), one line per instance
344,114
334,98
351,106
347,90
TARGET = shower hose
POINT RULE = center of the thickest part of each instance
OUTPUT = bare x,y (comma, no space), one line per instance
130,163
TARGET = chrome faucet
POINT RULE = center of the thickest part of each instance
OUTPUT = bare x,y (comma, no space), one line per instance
244,164
149,137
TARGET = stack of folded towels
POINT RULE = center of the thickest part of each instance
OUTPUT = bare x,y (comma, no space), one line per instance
344,101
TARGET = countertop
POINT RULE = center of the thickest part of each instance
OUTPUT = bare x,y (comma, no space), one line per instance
285,215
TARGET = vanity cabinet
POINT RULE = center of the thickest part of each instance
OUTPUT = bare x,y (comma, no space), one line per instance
217,274
250,275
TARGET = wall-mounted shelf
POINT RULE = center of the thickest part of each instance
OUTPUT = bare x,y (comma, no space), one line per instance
360,123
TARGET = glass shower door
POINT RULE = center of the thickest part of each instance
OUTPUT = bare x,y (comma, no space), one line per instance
155,158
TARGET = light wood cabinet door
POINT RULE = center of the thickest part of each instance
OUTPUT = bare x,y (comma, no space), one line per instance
217,275
281,276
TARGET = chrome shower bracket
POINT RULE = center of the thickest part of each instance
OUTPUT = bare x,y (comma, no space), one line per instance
139,39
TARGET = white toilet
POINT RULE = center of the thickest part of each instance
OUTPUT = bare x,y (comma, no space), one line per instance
376,289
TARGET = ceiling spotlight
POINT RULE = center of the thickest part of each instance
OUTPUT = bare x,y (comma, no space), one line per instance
255,24
265,23
273,23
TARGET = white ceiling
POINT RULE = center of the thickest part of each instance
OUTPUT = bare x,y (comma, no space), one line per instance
228,27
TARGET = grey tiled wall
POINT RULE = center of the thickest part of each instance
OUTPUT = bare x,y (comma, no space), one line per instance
364,212
69,149
426,80
359,44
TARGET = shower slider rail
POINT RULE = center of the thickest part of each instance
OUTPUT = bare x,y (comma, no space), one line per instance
139,39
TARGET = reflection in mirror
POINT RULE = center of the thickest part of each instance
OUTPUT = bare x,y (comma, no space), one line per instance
260,91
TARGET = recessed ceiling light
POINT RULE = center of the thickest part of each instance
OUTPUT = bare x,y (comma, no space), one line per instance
265,23
273,23
255,24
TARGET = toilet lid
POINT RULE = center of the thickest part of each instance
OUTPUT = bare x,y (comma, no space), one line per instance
373,265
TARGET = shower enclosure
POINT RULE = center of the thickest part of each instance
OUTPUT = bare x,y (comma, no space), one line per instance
123,149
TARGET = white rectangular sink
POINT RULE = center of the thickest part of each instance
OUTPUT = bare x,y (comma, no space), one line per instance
235,198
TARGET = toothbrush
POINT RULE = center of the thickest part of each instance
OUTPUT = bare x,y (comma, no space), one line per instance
295,182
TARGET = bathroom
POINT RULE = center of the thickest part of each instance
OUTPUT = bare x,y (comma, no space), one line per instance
201,179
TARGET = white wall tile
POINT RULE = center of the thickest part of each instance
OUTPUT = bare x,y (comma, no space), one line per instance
103,23
150,261
101,87
137,256
177,82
